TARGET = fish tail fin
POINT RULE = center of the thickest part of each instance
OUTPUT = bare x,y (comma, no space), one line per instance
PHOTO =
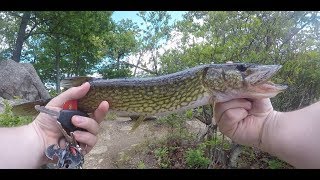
74,81
27,108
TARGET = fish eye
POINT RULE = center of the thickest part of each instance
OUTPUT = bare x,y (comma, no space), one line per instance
241,67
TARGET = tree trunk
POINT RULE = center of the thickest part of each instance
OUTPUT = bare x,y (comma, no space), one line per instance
21,36
77,73
138,62
58,73
57,66
118,63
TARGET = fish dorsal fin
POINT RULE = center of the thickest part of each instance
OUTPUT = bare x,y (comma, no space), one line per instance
74,81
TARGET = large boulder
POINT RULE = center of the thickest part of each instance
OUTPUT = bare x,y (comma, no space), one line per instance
20,80
2,106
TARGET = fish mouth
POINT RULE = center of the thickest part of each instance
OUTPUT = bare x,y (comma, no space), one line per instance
260,81
269,86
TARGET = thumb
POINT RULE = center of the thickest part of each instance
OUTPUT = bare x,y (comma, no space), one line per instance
70,94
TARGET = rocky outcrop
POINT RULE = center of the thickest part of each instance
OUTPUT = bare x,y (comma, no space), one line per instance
20,80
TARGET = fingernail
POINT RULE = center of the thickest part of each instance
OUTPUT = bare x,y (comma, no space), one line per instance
83,83
79,119
76,133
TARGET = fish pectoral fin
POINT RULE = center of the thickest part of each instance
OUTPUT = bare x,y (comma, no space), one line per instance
137,123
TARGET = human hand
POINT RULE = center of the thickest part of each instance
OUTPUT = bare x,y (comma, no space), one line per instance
49,132
243,120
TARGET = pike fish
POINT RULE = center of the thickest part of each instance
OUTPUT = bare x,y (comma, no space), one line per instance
187,89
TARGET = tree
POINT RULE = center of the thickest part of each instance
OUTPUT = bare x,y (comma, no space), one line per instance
155,34
69,43
8,29
21,37
17,27
122,44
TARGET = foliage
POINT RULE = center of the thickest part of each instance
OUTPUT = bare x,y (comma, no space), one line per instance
70,43
289,38
122,41
152,38
122,44
275,164
61,43
302,77
112,71
162,155
254,158
53,92
189,114
195,158
170,150
141,165
8,28
7,119
209,143
173,120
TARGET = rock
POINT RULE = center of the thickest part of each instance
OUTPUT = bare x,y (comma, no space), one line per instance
1,105
99,150
126,128
20,80
108,137
196,126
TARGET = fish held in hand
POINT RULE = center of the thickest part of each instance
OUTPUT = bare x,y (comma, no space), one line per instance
174,92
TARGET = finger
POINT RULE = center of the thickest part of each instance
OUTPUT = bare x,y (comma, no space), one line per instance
230,120
86,123
85,148
86,138
262,105
70,94
220,108
101,111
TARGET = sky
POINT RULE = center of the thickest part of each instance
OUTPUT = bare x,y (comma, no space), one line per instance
119,15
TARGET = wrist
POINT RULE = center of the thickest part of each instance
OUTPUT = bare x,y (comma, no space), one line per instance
42,142
270,132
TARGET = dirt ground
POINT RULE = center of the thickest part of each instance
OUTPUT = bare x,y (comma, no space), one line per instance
115,139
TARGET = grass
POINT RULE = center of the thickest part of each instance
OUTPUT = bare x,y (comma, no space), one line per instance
7,119
141,165
162,155
276,164
181,149
253,158
195,158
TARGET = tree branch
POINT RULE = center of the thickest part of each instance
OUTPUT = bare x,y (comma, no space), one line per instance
15,14
295,31
138,62
53,33
29,33
144,69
